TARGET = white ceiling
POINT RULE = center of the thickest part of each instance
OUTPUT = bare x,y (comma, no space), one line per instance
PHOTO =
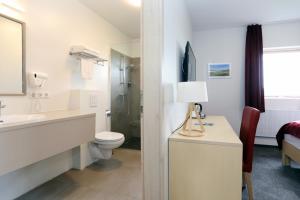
211,14
119,13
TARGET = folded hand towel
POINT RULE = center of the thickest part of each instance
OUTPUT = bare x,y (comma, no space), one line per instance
87,69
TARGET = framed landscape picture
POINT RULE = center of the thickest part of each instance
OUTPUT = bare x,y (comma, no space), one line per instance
219,70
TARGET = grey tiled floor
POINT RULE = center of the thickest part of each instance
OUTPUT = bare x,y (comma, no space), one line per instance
116,179
272,181
120,179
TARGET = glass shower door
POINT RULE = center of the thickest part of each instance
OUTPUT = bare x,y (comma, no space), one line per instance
125,98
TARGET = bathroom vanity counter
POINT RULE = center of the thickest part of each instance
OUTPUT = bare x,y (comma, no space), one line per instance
46,118
22,144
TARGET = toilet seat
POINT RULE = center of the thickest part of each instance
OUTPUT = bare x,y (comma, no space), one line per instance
109,136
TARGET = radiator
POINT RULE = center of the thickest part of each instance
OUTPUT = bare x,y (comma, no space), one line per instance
271,121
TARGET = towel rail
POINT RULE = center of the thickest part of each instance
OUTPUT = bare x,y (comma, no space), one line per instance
81,52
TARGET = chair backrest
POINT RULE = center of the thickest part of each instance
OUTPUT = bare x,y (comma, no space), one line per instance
247,135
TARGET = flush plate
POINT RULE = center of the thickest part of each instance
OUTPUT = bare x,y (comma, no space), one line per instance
93,101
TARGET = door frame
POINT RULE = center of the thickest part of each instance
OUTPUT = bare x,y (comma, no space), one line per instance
151,64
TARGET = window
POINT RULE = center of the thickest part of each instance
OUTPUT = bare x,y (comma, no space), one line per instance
282,72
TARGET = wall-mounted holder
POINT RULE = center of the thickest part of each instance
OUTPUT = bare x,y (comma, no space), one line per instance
37,79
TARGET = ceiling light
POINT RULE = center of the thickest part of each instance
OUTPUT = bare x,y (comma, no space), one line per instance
12,5
135,3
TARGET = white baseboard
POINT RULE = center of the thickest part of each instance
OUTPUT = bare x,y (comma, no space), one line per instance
265,141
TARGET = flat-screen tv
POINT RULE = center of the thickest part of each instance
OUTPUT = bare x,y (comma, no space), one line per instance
188,68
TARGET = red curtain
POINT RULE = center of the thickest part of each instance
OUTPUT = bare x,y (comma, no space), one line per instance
254,83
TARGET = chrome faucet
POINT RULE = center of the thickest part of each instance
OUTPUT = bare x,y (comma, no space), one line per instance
1,106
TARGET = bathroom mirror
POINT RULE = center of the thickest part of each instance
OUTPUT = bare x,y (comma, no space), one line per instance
12,57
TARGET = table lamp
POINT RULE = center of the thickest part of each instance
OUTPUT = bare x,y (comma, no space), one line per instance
192,92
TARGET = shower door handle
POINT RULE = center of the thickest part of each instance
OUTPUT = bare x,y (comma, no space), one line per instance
141,102
142,109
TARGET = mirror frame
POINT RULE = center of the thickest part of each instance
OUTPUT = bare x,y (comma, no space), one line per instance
23,25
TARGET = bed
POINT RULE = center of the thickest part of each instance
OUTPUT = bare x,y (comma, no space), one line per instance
288,139
290,149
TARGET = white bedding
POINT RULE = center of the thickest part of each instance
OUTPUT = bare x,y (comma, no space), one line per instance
292,140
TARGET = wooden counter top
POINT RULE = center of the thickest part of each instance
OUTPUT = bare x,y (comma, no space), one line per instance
219,133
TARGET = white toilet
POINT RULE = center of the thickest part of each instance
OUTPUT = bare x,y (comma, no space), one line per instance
105,142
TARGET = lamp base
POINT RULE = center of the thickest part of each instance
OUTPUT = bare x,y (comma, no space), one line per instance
192,133
188,129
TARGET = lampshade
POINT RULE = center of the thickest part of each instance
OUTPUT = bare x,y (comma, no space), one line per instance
192,92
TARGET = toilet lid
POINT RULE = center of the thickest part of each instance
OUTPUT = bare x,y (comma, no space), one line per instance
109,136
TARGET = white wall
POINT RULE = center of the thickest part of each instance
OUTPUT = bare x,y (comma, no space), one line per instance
163,42
52,26
50,31
281,35
176,34
131,48
226,96
135,48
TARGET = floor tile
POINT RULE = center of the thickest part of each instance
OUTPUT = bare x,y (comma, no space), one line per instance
114,179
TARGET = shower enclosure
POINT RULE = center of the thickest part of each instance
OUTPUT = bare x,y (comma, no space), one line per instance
125,98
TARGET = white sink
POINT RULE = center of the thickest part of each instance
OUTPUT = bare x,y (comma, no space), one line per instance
14,119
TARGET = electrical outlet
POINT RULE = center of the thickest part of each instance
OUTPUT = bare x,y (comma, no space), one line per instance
46,95
40,95
33,95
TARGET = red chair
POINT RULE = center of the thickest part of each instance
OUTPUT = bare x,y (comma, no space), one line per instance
247,135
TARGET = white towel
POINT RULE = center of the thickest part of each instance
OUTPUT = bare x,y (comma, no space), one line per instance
87,69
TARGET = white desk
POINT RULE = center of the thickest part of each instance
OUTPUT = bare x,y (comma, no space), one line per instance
207,167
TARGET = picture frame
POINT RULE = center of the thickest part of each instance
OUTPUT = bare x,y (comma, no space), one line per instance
219,70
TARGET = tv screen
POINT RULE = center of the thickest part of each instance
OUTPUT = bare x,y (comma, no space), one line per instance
188,69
